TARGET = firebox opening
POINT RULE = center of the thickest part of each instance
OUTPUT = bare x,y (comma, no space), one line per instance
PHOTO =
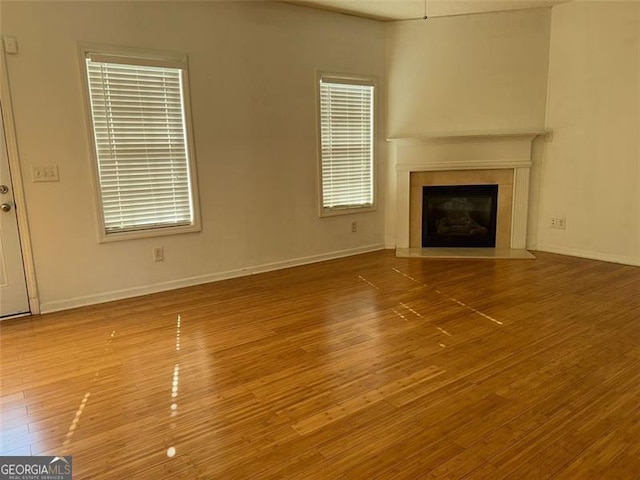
459,216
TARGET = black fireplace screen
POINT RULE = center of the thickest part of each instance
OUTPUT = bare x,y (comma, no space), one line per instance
459,215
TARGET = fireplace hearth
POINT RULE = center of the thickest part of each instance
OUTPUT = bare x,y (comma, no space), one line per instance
459,216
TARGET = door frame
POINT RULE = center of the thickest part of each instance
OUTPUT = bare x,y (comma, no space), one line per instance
17,184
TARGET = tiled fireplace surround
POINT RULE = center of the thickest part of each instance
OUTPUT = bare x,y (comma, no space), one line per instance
502,158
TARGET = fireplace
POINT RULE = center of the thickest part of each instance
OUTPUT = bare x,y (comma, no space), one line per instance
463,184
502,158
459,215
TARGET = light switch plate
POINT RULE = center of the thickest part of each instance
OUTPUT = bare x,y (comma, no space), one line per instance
46,173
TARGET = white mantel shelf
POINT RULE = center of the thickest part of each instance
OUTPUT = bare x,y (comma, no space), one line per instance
472,134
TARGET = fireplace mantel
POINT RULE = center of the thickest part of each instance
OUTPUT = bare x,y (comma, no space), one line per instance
472,150
430,136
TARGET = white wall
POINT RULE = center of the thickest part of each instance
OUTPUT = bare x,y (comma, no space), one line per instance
474,72
591,172
466,73
252,71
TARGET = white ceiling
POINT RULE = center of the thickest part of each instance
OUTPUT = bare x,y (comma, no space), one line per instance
414,9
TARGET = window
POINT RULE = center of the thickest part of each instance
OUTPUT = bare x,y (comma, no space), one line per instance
144,165
346,143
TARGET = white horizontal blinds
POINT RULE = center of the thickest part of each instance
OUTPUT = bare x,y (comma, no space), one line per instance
141,145
346,115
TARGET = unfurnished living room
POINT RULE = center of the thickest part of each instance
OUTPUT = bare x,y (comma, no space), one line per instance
341,239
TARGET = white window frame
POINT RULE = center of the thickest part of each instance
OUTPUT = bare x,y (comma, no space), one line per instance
150,58
355,80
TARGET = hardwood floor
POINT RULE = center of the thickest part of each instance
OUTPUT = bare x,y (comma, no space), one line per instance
365,367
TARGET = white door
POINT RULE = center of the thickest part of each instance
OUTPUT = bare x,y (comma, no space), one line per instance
13,287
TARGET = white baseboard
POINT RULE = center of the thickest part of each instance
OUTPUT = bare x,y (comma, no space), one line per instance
604,257
55,306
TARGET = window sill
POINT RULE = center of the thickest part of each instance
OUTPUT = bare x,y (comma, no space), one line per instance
332,212
152,232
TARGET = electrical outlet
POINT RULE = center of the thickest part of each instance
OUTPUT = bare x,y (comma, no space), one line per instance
562,223
11,45
553,222
354,227
158,254
46,173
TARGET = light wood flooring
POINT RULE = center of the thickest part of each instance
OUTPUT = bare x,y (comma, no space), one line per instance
366,367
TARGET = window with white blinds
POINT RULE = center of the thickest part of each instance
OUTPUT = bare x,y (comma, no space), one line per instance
346,135
141,143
